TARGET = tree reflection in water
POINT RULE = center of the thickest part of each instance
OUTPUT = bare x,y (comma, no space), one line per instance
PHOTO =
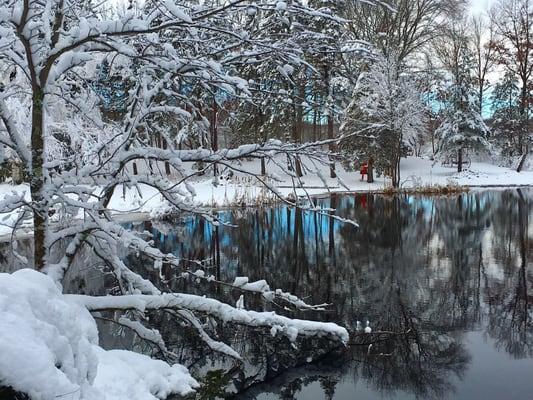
440,266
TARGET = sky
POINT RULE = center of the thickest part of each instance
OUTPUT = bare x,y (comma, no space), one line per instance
479,6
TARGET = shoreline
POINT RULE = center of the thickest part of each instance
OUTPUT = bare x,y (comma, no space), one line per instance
433,190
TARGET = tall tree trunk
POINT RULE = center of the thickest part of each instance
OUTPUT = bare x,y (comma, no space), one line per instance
522,162
459,160
524,115
332,146
370,172
263,166
298,167
164,145
396,173
297,129
315,120
397,159
329,110
214,133
480,99
37,179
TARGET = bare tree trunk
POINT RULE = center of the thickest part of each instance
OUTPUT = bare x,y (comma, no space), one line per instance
396,173
522,162
370,172
297,130
459,160
37,178
315,120
332,146
524,115
214,133
397,159
481,98
263,166
298,167
167,164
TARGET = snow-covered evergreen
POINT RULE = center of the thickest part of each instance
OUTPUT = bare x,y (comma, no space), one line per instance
463,128
384,118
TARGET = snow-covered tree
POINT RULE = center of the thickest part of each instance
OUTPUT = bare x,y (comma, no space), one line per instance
278,85
462,127
282,106
514,51
174,58
507,119
384,117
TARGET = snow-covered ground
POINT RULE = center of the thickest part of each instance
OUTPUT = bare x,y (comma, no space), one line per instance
49,350
245,189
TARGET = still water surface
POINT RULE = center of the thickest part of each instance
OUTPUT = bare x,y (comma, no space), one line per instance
455,271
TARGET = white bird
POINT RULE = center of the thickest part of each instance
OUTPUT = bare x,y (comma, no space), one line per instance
368,329
358,326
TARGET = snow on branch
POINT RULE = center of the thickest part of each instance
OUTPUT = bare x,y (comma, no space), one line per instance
215,345
291,328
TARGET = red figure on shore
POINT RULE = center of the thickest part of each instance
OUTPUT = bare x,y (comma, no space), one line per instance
364,171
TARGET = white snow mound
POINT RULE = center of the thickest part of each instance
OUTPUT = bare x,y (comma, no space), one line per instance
125,375
49,349
45,341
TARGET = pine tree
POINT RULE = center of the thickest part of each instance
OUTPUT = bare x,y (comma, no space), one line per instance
385,114
112,89
507,118
463,127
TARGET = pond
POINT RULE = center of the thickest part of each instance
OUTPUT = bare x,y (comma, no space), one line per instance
454,272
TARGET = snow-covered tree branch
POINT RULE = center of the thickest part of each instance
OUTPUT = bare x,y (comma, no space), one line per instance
99,102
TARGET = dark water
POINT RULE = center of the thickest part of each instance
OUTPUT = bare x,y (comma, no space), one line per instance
454,271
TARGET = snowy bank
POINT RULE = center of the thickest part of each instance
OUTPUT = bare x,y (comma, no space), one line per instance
244,189
49,349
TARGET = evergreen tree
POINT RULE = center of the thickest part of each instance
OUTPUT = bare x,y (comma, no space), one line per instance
386,113
112,89
507,118
463,127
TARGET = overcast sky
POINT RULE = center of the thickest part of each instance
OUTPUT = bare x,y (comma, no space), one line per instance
479,6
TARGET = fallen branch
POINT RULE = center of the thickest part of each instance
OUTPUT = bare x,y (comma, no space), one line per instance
291,328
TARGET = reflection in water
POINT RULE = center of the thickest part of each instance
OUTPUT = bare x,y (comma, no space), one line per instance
456,271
